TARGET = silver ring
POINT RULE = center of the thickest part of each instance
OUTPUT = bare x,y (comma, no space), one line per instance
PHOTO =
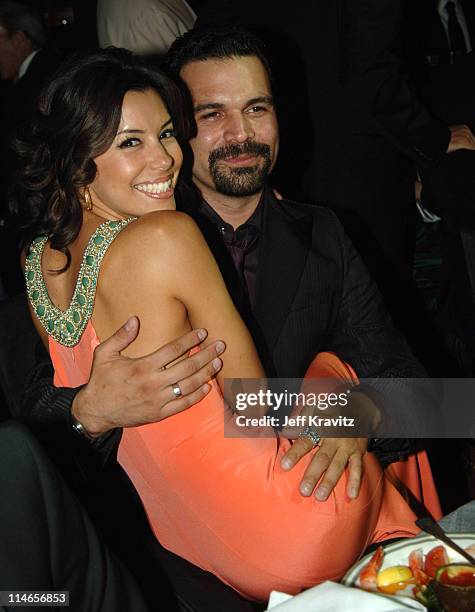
176,390
308,432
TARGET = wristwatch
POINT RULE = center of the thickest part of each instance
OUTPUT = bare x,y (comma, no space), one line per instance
81,431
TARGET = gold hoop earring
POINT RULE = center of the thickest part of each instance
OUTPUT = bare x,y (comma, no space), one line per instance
87,199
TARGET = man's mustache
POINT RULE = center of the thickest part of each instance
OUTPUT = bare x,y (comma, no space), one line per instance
229,151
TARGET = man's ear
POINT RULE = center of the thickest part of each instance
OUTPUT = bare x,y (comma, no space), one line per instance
21,42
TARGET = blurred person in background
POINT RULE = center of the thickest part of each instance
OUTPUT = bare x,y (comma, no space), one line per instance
26,62
147,27
439,37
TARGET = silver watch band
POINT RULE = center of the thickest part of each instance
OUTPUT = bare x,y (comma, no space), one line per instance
81,431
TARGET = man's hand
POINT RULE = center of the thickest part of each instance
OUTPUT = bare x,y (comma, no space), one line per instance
125,392
330,461
461,137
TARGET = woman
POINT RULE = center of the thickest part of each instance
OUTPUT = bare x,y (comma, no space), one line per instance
101,168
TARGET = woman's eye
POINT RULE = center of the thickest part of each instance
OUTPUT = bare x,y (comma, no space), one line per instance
168,133
211,116
128,143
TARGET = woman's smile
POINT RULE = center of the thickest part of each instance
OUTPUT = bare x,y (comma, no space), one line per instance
160,188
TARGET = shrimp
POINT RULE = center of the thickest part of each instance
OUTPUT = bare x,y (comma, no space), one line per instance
435,558
369,573
471,550
416,563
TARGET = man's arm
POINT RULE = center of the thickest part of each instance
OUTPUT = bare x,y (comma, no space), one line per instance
121,392
363,333
364,336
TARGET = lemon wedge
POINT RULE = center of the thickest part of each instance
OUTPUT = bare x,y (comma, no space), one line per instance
391,575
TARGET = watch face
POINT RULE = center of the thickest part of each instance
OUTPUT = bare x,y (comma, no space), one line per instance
79,429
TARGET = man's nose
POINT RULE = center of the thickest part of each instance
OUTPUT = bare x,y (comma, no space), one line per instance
238,128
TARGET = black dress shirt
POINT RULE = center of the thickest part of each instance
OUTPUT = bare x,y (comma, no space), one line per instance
242,244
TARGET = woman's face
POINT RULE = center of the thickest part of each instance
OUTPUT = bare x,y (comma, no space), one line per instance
139,171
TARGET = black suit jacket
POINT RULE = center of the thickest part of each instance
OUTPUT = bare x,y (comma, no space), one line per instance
23,94
19,99
17,103
313,294
448,90
427,33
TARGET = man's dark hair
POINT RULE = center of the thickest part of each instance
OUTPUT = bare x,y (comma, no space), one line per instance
215,42
17,17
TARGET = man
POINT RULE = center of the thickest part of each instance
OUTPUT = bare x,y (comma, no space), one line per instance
294,275
147,27
22,37
274,259
440,37
25,63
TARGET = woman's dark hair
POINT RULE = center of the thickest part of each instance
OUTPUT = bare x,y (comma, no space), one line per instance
77,119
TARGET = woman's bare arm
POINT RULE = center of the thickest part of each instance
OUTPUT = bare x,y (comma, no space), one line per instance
161,269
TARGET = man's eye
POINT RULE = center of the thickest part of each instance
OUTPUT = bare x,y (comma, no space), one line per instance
168,133
128,143
257,109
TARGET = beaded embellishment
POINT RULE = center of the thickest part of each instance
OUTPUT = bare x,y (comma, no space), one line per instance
67,326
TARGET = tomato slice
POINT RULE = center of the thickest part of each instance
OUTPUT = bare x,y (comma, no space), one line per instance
435,558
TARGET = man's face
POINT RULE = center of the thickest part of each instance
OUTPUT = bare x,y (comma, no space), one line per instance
237,141
13,50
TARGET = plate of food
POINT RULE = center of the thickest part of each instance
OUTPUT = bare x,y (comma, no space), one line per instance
423,568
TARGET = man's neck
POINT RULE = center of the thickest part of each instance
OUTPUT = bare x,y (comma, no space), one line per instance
232,210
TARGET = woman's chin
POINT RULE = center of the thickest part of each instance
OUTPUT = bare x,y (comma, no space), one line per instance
156,205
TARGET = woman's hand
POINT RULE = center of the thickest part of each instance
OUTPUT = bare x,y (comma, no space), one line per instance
335,454
328,464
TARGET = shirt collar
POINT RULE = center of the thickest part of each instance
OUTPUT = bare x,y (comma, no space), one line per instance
442,4
254,220
26,64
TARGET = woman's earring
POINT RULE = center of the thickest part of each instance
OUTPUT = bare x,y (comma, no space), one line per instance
87,199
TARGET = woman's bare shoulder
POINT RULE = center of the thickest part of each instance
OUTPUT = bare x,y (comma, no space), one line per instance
152,243
158,229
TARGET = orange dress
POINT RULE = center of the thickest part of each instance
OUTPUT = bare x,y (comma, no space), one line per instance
225,504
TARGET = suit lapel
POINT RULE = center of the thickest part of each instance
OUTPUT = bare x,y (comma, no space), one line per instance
469,13
438,42
286,240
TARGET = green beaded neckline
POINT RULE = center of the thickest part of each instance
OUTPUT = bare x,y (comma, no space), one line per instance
67,326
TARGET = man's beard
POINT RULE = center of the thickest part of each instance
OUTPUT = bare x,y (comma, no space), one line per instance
245,180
